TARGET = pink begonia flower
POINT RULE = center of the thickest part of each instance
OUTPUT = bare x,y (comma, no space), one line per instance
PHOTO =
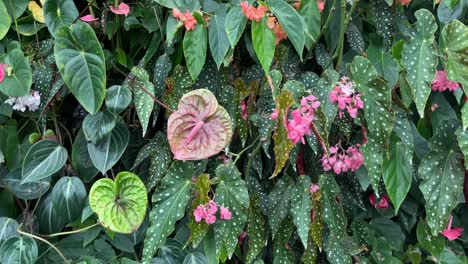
346,98
451,233
199,213
275,113
210,219
441,83
187,17
302,118
89,18
225,213
2,71
212,207
123,9
251,12
313,188
383,203
341,160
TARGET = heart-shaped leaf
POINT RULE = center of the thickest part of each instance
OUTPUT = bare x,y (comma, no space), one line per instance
200,128
68,197
5,20
81,160
43,159
8,228
118,97
96,127
81,62
59,13
19,250
16,8
120,205
48,217
19,81
27,191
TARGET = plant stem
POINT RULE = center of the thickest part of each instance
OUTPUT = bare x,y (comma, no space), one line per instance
74,231
244,150
249,163
84,10
143,89
319,138
339,49
45,241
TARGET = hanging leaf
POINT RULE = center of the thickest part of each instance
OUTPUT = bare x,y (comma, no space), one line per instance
278,202
18,82
462,137
200,128
442,175
420,58
21,250
281,248
81,62
455,37
195,44
5,20
68,198
256,230
383,62
81,160
58,14
143,102
311,15
324,86
235,25
48,217
43,159
283,144
107,152
120,204
300,207
433,244
170,200
118,97
29,190
383,18
8,228
354,38
219,42
263,40
98,126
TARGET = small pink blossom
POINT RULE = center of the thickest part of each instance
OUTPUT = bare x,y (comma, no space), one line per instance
302,118
199,213
251,12
88,18
346,98
212,207
187,17
383,203
123,9
275,113
225,213
451,233
441,83
341,160
2,71
313,188
210,219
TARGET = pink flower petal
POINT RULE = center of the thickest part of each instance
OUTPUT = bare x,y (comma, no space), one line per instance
2,72
88,18
123,9
452,234
225,213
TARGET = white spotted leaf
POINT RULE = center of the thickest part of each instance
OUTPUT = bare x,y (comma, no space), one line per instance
300,207
455,36
283,144
278,202
144,103
256,230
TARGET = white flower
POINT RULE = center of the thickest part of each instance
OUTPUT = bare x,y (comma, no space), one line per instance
30,102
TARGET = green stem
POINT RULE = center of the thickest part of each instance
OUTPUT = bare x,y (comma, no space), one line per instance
244,150
339,49
74,231
250,162
116,3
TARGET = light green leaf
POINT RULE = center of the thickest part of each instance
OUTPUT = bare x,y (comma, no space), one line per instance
68,198
120,205
219,42
195,44
300,207
170,201
5,20
235,25
18,83
420,58
433,244
232,193
442,176
455,37
81,160
283,144
19,250
278,202
15,8
81,62
118,97
311,15
107,152
43,159
263,40
98,126
449,257
292,23
59,13
8,228
143,102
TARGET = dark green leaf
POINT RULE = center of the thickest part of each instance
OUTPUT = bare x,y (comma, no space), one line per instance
311,15
219,42
19,250
59,13
434,245
235,25
68,198
49,219
300,207
118,97
8,228
278,202
455,37
27,191
263,40
98,126
195,44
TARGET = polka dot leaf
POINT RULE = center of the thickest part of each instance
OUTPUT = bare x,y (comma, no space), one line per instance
143,102
316,227
324,86
300,207
283,254
420,58
455,36
283,144
170,200
198,229
278,202
442,176
178,84
231,192
462,137
256,230
354,38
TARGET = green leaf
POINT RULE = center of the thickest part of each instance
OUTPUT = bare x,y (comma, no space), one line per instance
107,152
355,38
19,250
420,58
397,173
49,219
256,230
81,160
27,26
18,83
219,42
283,144
98,126
384,20
195,44
27,191
235,25
311,15
324,86
449,257
462,137
43,159
390,231
8,228
455,38
263,40
384,63
292,23
232,193
300,207
118,97
198,230
170,200
433,244
159,163
179,83
16,8
442,176
120,205
68,198
81,62
281,249
5,20
195,258
278,202
58,14
143,102
9,143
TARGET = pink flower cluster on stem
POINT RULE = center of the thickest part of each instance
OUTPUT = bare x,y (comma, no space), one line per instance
251,12
341,160
207,212
302,118
347,99
441,83
187,17
383,203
